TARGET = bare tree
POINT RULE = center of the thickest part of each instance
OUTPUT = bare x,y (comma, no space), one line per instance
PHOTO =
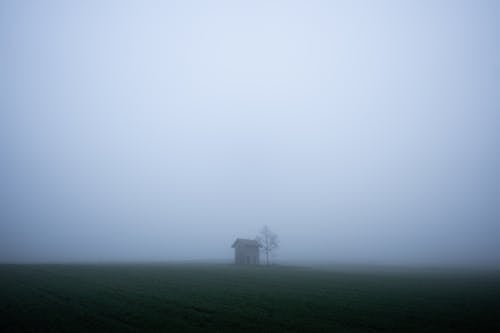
268,242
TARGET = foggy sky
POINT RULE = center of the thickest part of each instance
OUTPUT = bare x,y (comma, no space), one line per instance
358,131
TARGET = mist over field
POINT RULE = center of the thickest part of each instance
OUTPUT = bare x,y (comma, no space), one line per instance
358,131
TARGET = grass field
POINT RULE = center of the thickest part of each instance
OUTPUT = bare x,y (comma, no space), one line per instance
227,298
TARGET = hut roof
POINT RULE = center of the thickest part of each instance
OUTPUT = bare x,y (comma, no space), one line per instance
246,242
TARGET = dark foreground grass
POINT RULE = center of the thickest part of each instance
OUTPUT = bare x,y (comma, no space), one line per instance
178,298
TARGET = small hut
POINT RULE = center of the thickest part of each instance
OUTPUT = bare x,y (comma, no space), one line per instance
246,251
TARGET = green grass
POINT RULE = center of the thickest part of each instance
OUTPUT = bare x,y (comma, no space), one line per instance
227,298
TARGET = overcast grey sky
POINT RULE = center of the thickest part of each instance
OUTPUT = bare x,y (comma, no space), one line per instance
364,131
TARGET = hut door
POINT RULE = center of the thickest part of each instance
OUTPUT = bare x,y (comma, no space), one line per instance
248,260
